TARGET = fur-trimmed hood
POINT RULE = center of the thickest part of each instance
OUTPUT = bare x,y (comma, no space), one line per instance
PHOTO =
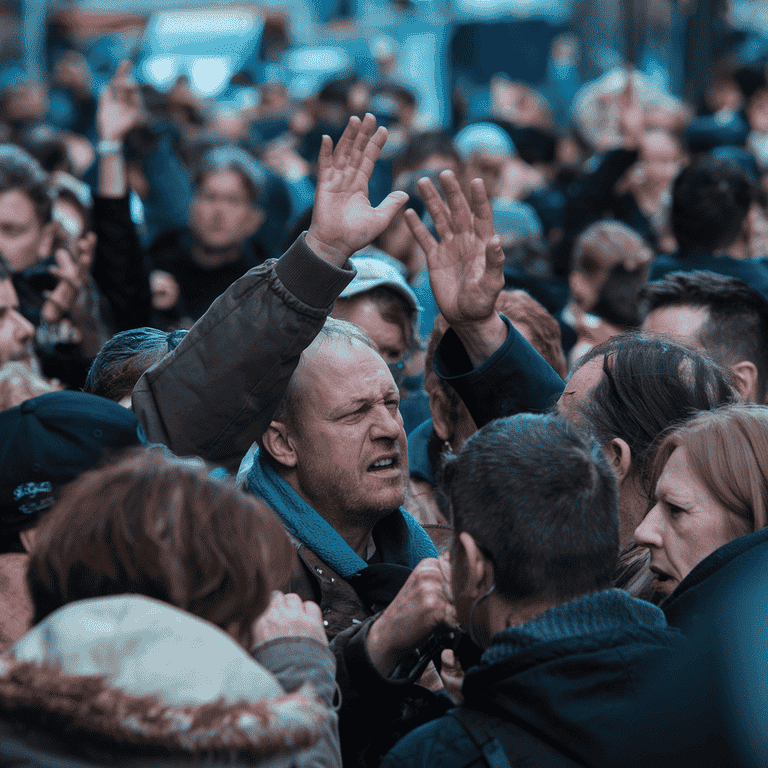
131,673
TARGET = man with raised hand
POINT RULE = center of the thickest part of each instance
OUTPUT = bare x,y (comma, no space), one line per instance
215,394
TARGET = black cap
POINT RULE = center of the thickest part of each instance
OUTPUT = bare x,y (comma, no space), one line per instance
50,440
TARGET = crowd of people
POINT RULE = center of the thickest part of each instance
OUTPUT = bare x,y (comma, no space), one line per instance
326,443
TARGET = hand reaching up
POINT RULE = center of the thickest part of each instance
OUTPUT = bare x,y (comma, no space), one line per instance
631,115
119,107
466,264
343,220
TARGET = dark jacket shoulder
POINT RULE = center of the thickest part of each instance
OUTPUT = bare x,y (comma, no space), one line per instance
714,579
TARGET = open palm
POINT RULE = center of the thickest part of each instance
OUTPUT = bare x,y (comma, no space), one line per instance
466,264
343,220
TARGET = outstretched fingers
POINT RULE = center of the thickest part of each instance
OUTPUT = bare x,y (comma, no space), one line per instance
494,254
325,156
347,140
438,210
389,207
423,236
460,213
364,133
481,208
373,150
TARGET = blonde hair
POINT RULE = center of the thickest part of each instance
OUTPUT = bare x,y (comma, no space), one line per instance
727,449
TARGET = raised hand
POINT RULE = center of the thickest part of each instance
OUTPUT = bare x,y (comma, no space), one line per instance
119,107
343,220
631,114
466,265
72,270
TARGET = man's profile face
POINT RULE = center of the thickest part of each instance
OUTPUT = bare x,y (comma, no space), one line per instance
16,332
221,214
352,454
24,239
681,322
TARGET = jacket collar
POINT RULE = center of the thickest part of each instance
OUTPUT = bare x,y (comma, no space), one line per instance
607,611
699,582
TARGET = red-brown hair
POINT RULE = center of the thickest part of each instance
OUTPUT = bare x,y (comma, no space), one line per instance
155,525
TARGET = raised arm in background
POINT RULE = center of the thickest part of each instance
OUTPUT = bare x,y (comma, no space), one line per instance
119,268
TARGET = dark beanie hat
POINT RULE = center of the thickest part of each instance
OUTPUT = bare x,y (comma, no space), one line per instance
50,440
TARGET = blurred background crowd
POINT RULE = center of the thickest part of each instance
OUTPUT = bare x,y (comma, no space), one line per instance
175,227
573,114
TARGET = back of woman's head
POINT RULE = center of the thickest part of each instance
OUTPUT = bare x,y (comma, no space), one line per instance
649,385
727,449
155,525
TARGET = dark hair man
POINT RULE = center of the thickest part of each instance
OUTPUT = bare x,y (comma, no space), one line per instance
714,209
535,510
48,273
124,358
216,248
719,314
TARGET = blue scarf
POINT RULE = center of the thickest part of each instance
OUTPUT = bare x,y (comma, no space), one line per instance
302,522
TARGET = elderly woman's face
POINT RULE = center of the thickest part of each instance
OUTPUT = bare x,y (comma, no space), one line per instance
685,525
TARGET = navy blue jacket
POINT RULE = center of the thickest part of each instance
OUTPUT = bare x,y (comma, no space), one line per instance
515,379
573,677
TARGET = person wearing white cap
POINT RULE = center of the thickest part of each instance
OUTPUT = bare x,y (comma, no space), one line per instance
484,148
381,302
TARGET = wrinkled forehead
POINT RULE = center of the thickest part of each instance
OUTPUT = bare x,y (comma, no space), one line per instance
335,370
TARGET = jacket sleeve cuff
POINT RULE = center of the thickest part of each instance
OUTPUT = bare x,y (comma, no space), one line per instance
515,379
309,278
298,660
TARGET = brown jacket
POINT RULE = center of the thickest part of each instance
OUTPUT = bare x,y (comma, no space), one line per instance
313,579
215,394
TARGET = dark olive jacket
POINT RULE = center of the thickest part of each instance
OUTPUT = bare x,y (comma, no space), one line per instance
215,394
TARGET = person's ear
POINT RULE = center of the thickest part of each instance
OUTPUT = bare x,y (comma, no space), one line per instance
746,380
440,408
278,443
479,572
619,456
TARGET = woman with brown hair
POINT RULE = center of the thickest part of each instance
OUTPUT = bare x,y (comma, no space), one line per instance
710,486
158,634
